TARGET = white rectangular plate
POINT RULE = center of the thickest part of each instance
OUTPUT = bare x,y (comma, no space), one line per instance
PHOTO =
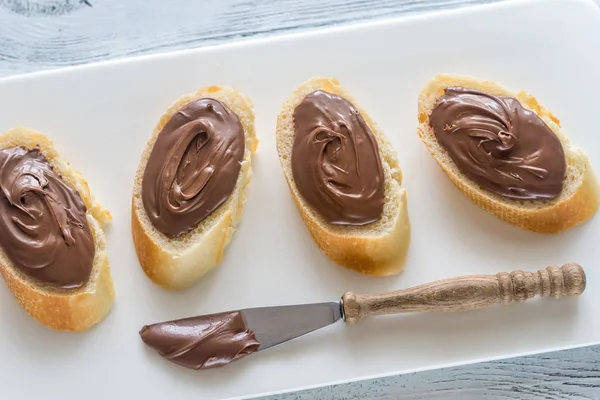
100,117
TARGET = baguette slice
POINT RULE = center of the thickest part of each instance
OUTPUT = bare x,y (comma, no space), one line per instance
178,263
580,196
63,309
377,249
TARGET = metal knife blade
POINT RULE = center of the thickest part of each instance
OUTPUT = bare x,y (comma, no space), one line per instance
275,325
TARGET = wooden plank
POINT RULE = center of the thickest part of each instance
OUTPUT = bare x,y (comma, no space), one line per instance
569,374
44,34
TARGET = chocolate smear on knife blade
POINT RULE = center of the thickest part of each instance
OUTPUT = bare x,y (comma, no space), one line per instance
203,342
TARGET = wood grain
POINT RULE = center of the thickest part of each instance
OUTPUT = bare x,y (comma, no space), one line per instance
468,292
44,34
562,375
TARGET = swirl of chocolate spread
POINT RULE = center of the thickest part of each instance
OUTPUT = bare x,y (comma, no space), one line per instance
204,342
496,142
43,225
335,161
193,167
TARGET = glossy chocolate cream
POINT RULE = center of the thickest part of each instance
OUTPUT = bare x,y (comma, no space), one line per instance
505,148
193,167
208,341
43,225
335,161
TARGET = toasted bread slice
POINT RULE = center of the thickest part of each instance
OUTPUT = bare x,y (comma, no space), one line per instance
580,195
63,309
378,248
178,263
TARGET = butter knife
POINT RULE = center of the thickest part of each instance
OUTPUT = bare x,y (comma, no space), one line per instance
214,340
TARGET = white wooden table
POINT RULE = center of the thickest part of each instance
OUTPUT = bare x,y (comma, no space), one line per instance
44,34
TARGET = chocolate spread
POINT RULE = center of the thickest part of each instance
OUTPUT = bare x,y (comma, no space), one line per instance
208,341
193,167
335,161
43,225
505,148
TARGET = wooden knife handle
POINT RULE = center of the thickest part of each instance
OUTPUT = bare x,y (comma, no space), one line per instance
468,292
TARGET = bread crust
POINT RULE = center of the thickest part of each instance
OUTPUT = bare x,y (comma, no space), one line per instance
576,204
377,249
63,309
178,263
